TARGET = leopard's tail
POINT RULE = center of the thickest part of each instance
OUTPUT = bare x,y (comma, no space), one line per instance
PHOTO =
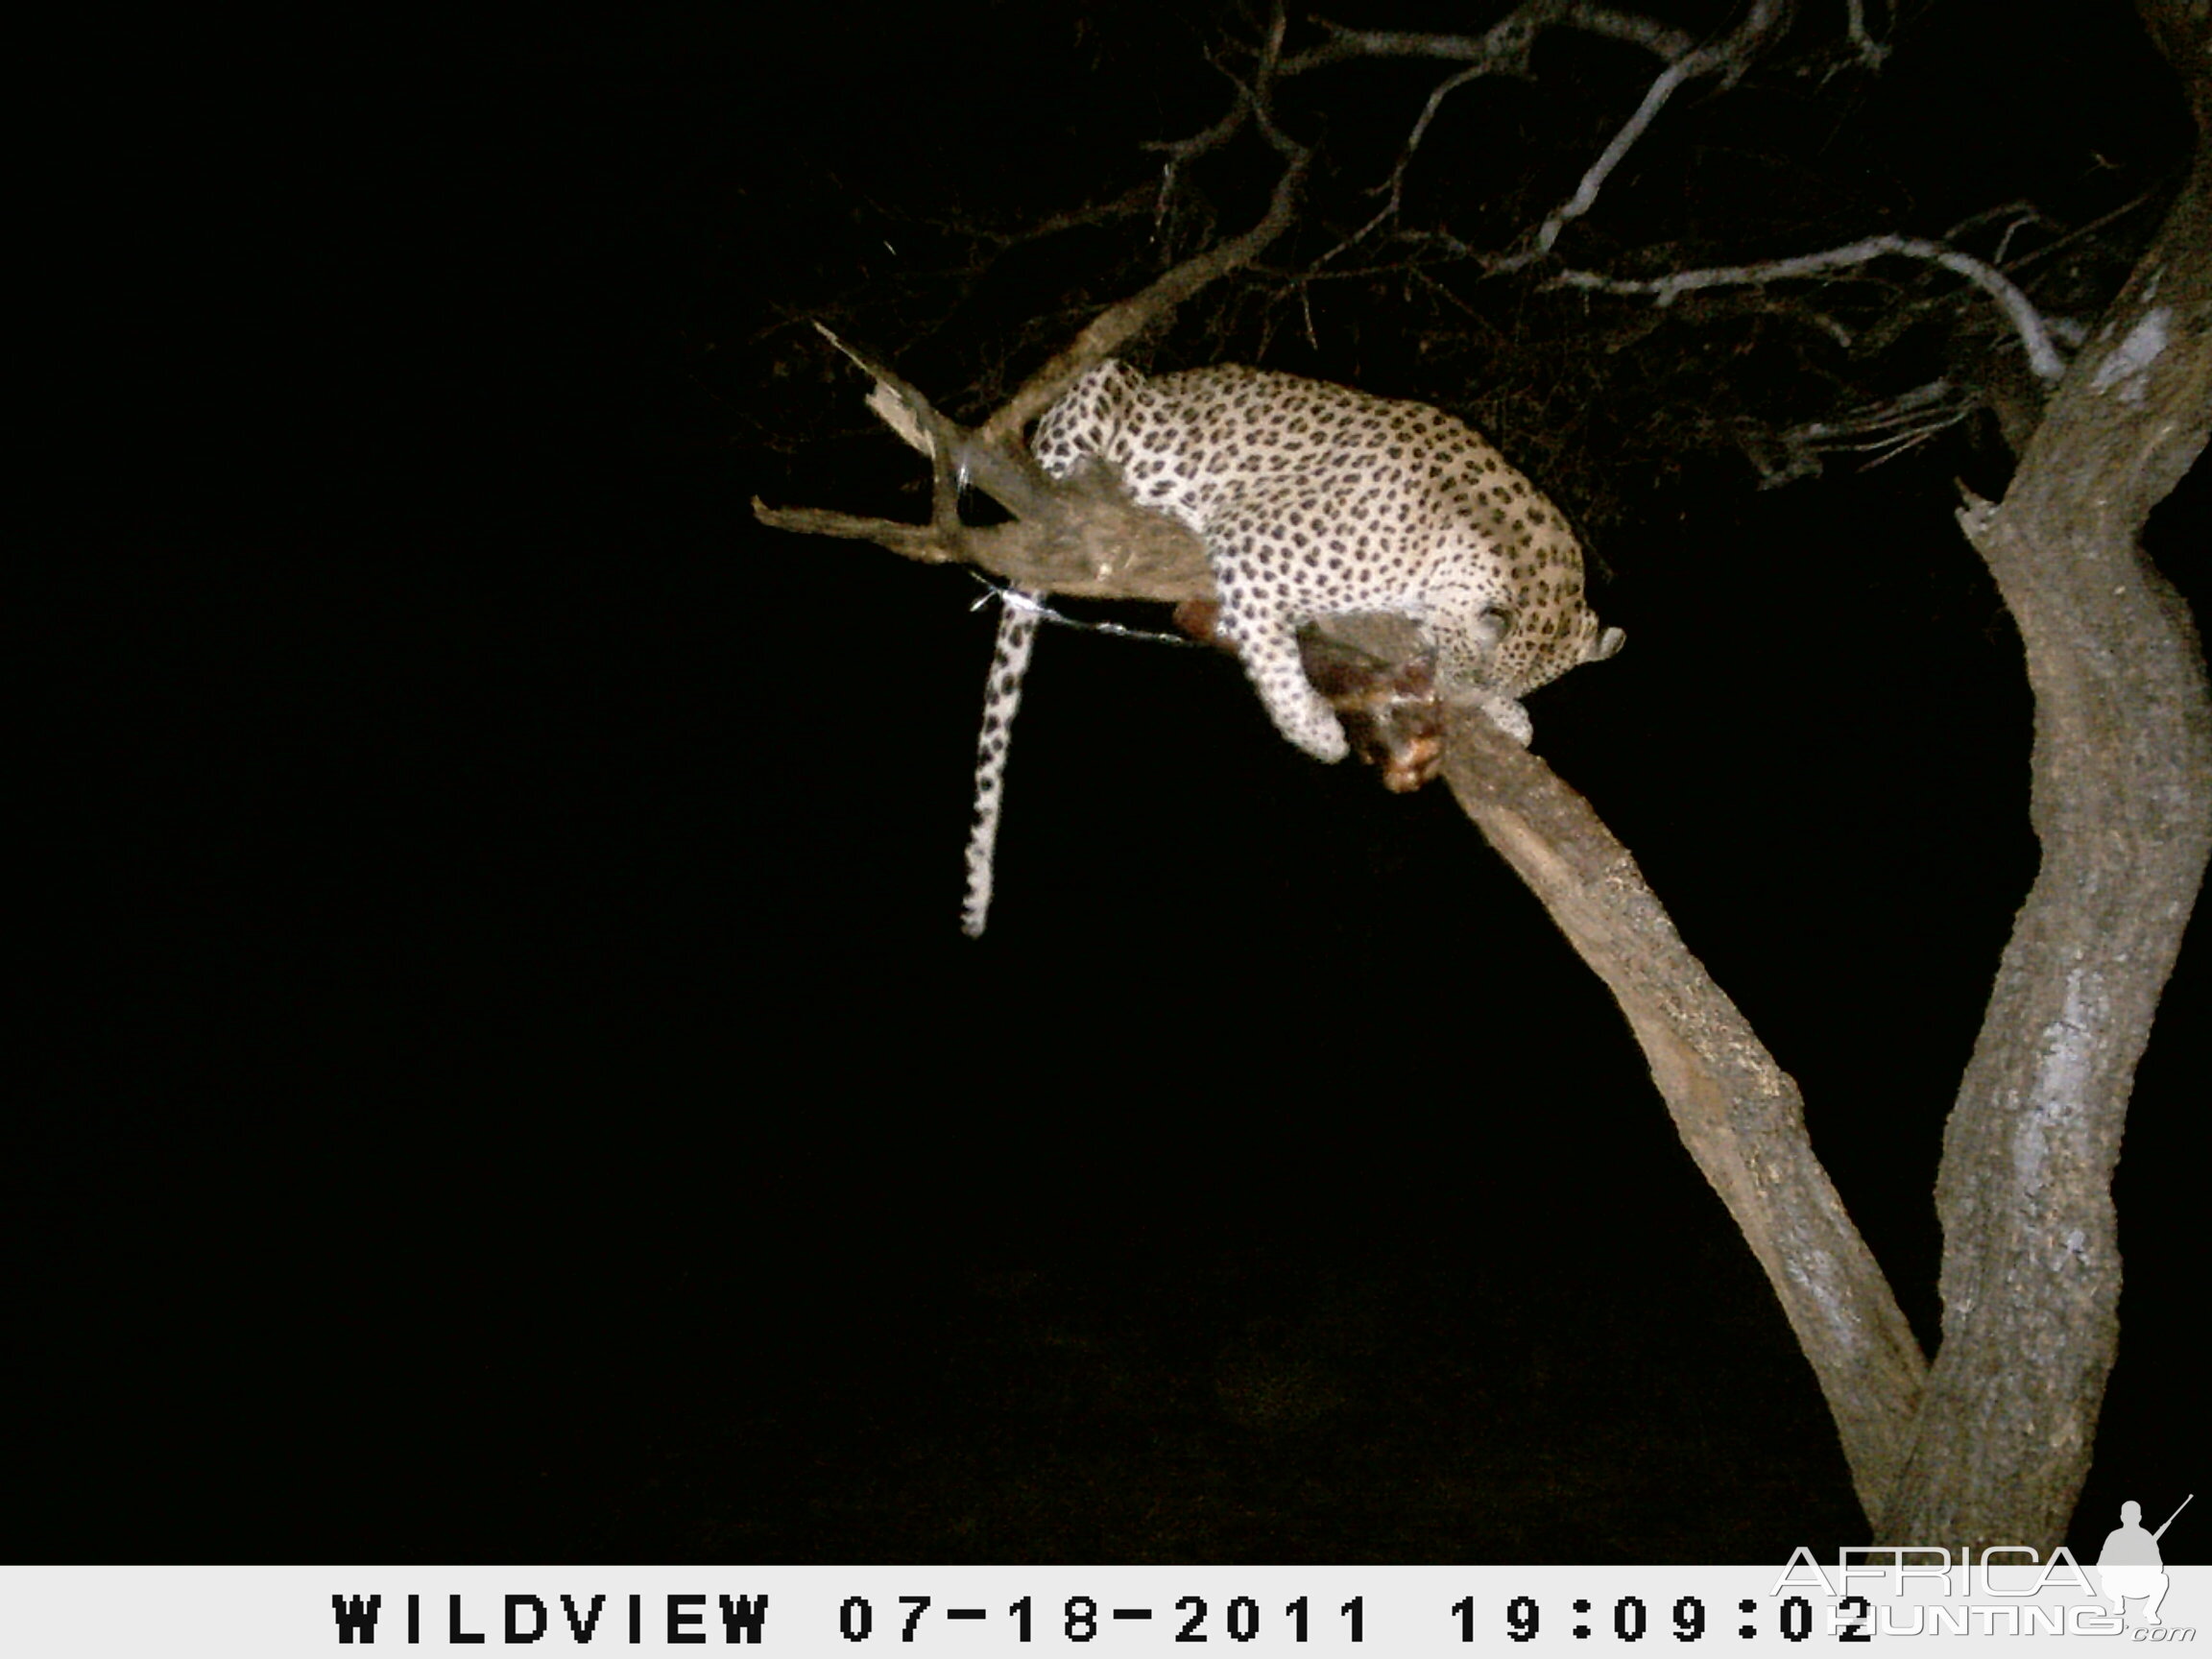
1001,697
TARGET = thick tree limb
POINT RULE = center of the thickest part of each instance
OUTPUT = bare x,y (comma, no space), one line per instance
1097,545
1739,1114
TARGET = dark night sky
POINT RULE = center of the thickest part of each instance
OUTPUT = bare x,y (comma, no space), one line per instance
506,1077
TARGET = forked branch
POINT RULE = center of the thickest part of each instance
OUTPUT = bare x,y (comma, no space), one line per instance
1081,536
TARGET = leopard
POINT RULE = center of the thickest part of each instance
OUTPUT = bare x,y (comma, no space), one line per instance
1314,499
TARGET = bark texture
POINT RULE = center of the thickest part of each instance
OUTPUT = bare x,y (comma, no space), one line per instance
2122,806
1739,1112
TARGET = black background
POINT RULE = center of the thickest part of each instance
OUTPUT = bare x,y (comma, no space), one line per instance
504,1076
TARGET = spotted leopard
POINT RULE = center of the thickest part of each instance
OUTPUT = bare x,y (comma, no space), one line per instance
1317,501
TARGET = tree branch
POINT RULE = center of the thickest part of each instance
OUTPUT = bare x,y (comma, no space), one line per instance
1118,325
1728,58
1872,53
1739,1114
1503,49
1886,428
1095,544
1509,39
2034,333
1080,537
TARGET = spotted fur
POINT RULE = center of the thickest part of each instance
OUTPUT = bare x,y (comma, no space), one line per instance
1317,501
1001,697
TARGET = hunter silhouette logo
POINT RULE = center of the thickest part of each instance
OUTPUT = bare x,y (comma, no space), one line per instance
2129,1566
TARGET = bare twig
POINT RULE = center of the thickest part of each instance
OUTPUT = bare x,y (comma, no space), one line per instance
1728,58
1393,188
1503,49
1889,428
1120,324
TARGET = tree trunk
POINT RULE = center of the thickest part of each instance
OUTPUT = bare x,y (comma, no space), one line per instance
2122,806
